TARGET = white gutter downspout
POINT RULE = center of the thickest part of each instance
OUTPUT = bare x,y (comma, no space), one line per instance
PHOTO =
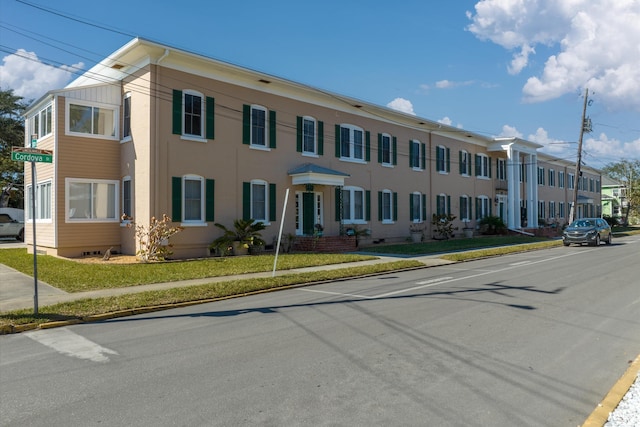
156,168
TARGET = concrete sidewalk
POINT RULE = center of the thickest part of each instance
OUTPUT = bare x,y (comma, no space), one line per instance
17,289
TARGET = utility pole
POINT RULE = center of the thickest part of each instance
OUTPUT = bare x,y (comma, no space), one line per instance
584,126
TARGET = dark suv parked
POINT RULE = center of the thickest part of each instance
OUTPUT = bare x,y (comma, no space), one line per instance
587,230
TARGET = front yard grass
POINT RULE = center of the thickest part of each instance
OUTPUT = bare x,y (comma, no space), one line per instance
73,276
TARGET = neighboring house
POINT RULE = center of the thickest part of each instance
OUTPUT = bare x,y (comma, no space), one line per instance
613,197
154,130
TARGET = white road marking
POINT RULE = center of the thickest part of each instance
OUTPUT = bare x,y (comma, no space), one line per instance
71,344
334,293
519,263
423,284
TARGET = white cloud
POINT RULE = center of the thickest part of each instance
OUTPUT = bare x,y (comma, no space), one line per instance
447,121
596,45
510,132
604,150
403,105
28,77
448,84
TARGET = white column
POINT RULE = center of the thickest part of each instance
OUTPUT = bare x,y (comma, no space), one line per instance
513,182
532,191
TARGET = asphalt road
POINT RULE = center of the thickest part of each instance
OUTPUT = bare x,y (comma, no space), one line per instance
534,339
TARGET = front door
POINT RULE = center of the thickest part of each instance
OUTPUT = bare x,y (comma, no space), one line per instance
502,207
308,212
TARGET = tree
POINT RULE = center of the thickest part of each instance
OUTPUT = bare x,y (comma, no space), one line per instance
11,135
627,172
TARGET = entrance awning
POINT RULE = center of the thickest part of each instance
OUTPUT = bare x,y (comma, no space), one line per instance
317,175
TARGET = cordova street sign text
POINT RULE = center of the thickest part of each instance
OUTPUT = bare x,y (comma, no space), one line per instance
24,154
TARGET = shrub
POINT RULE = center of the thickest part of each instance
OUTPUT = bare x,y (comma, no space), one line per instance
492,225
153,241
443,225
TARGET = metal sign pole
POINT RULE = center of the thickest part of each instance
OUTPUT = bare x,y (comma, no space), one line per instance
35,249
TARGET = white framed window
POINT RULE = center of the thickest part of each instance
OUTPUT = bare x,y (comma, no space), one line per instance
465,208
483,207
387,206
442,159
561,208
91,200
193,113
465,163
552,209
540,176
352,143
542,209
91,119
386,155
43,202
126,117
571,181
193,199
259,130
502,169
552,178
417,206
41,123
483,166
309,136
560,179
353,205
414,152
127,197
260,200
443,204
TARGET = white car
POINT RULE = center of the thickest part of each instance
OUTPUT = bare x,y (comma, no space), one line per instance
10,227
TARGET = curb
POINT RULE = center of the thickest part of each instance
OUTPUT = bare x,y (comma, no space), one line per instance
600,415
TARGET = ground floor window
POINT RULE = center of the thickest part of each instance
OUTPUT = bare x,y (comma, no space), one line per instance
43,201
91,200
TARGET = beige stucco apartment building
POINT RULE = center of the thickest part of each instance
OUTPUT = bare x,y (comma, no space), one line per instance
154,130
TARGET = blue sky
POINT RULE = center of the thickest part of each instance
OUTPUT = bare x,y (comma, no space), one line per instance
495,67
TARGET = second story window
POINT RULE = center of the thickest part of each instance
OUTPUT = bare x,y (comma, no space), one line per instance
310,136
193,115
94,120
483,166
41,123
465,163
552,178
442,159
416,154
258,127
193,109
386,149
502,169
560,179
352,143
540,176
126,116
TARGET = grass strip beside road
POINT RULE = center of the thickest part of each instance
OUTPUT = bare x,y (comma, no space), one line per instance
502,250
81,309
73,276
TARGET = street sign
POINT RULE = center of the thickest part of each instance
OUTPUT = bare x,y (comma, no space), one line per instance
23,154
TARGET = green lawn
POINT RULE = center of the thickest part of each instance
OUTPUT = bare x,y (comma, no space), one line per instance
72,276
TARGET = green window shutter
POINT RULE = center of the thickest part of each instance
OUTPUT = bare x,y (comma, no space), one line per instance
379,205
210,200
320,138
272,202
411,153
338,141
367,205
379,148
299,134
210,117
424,206
177,112
478,207
438,159
246,200
176,199
449,205
478,165
395,150
489,163
461,169
337,203
410,206
367,137
395,206
448,159
424,156
490,209
272,129
246,124
462,203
